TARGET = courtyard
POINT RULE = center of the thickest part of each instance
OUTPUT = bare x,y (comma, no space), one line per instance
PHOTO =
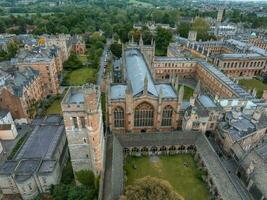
180,171
254,83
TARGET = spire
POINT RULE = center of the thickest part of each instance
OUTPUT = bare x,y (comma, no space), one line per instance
181,94
197,89
160,95
176,83
129,87
145,84
141,42
132,39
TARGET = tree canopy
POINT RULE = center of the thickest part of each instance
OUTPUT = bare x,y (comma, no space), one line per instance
151,188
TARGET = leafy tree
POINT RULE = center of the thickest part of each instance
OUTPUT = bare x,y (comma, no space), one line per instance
86,178
183,29
73,62
116,49
59,192
67,174
81,193
150,188
163,38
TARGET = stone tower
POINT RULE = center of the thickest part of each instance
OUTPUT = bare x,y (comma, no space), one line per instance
82,114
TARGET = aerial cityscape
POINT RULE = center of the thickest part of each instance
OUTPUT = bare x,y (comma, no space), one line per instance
133,100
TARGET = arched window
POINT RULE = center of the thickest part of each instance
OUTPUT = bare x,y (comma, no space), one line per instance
143,115
167,116
118,117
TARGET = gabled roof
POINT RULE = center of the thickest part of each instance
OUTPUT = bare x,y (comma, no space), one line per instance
136,71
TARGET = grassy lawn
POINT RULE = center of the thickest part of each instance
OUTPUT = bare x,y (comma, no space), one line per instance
54,108
188,92
254,83
186,180
81,76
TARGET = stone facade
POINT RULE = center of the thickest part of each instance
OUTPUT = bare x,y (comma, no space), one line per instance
21,93
84,127
8,130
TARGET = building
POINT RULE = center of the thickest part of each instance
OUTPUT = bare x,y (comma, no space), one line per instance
78,45
62,41
8,130
235,58
21,93
244,129
45,62
39,163
82,113
139,104
252,169
258,41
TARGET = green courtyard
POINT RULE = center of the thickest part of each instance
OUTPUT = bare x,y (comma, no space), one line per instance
254,83
188,92
80,76
180,171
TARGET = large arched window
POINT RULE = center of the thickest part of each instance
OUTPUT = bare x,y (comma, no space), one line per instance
143,115
167,116
118,117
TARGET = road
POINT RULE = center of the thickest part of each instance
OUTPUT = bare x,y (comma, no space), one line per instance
102,63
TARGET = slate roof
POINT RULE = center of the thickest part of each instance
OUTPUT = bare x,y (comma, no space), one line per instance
136,71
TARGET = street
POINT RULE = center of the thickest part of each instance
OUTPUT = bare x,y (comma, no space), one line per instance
103,60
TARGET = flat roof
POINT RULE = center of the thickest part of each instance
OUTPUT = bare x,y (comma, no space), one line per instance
42,142
206,101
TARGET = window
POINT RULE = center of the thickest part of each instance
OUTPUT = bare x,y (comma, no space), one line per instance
143,115
75,122
118,117
167,116
82,119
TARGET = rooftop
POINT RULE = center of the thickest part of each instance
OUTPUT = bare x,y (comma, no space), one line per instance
137,70
43,140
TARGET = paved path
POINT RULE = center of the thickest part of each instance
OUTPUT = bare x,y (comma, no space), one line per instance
102,63
107,187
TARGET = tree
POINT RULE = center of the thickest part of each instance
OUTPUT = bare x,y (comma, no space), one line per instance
183,29
200,25
150,188
81,193
73,62
116,49
86,178
163,38
59,192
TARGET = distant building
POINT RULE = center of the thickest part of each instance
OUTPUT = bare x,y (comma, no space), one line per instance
8,130
192,36
78,45
39,163
82,113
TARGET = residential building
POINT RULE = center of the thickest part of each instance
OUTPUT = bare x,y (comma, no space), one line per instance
21,93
